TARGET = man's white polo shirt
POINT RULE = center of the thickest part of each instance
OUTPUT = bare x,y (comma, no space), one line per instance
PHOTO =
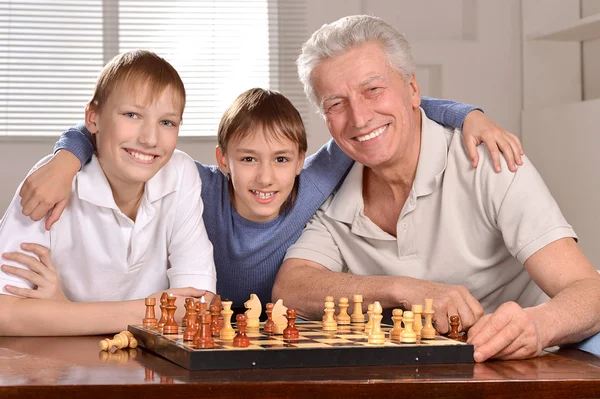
102,255
459,225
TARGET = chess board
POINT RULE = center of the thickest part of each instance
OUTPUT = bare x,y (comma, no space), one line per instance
314,348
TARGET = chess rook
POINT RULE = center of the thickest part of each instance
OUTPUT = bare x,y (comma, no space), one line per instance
357,314
150,317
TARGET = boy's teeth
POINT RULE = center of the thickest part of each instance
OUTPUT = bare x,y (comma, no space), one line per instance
262,195
372,135
142,157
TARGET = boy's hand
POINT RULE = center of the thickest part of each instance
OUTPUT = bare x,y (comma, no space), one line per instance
49,188
478,128
40,273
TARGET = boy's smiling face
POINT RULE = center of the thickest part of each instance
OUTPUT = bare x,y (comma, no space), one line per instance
263,170
135,134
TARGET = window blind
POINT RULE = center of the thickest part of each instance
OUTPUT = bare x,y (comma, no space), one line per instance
52,51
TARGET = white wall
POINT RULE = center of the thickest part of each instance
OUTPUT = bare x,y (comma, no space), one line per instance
560,114
468,50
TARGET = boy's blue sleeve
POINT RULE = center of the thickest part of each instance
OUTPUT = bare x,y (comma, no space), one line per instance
78,141
447,112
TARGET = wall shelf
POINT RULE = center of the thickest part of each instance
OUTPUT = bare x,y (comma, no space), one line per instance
587,28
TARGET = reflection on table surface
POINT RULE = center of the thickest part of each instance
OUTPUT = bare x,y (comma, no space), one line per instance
62,361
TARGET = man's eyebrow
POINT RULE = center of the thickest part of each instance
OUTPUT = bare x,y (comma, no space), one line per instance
370,79
365,82
331,97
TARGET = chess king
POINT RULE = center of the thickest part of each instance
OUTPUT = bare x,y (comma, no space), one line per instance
414,220
133,226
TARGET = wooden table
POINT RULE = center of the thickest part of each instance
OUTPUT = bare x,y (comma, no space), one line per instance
71,367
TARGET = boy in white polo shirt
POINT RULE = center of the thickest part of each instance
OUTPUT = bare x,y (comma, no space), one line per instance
133,227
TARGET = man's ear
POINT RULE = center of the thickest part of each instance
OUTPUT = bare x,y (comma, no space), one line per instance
415,92
222,160
91,116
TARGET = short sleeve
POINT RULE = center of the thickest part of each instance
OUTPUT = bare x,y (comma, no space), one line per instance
15,229
191,261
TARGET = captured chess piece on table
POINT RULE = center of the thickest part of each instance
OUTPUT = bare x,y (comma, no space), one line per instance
124,339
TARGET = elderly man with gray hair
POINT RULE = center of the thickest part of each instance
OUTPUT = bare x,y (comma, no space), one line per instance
414,220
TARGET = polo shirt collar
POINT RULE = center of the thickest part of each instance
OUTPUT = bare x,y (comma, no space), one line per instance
347,203
433,157
93,187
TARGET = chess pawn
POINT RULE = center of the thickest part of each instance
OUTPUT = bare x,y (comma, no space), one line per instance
328,298
171,326
428,332
329,323
418,323
241,340
454,323
376,336
291,332
150,319
357,314
369,324
119,341
343,318
227,332
269,326
397,329
408,335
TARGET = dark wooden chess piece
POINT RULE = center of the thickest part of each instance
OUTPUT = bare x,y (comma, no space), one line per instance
171,326
150,319
214,323
163,312
241,339
203,338
454,323
291,332
269,326
191,327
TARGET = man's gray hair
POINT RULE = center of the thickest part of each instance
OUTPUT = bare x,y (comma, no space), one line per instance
345,33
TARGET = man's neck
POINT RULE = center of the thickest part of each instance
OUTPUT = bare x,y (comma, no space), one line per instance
386,187
400,172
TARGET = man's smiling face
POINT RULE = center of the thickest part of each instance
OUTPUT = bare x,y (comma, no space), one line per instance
370,110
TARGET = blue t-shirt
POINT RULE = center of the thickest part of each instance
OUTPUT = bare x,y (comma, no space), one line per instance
248,254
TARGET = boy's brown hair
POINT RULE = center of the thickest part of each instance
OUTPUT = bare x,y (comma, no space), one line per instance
134,68
269,111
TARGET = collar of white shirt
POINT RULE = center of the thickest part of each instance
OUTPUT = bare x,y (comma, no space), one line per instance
347,204
93,187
